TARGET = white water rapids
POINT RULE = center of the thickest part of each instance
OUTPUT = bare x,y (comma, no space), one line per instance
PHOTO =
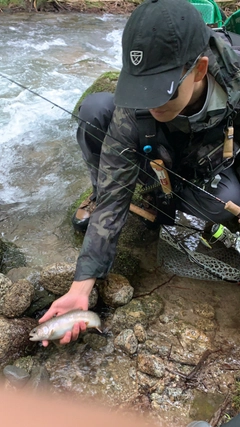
41,167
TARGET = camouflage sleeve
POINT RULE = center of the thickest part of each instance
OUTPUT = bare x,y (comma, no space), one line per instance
117,176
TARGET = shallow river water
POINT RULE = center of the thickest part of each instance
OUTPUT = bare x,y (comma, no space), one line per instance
41,167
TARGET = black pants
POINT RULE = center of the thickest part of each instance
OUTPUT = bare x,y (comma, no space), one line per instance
97,109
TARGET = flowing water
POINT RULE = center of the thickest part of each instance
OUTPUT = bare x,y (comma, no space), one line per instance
41,167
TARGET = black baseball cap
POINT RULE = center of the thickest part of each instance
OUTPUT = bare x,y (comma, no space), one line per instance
160,37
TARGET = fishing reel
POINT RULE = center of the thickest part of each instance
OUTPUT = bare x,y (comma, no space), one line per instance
221,233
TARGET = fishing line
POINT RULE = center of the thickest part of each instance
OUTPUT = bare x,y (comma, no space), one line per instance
121,153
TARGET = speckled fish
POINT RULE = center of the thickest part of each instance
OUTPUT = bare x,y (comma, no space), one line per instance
56,327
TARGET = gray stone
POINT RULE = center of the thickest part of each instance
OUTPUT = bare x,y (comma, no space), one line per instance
115,290
127,341
140,333
151,365
39,378
57,278
18,298
5,285
18,377
128,316
94,341
14,338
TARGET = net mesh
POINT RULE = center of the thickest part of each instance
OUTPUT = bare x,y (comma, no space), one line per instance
182,252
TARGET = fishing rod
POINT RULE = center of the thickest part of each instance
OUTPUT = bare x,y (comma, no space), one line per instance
105,134
230,206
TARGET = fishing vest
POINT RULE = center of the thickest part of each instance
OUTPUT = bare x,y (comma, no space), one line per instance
204,154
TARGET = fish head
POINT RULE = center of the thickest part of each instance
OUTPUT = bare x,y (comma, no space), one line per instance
39,333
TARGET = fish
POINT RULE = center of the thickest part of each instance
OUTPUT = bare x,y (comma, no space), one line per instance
56,327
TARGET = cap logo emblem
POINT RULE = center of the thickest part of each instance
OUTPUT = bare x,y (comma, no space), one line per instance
136,56
170,91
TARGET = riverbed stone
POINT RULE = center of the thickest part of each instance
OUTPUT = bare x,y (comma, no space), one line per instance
128,316
39,379
127,341
115,290
57,278
18,298
95,341
105,83
93,297
5,285
17,377
151,365
140,333
142,311
205,310
14,338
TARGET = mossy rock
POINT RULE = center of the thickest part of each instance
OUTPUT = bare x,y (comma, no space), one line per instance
77,202
10,257
105,83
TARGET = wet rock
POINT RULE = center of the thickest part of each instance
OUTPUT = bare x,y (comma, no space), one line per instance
140,333
174,393
151,346
105,83
15,274
95,341
5,285
57,278
25,363
126,341
18,377
10,256
146,382
193,339
125,263
41,300
128,316
115,290
151,365
153,306
39,378
205,310
14,338
93,298
18,298
138,311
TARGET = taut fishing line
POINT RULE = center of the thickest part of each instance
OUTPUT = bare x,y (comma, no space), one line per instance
179,245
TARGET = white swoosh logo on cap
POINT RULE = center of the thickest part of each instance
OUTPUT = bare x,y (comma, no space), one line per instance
170,91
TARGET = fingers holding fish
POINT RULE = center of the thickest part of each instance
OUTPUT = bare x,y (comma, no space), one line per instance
65,327
74,333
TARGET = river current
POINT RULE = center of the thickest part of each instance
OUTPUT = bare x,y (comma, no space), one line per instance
41,166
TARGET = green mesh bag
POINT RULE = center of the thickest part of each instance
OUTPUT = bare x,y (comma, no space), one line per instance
209,10
232,23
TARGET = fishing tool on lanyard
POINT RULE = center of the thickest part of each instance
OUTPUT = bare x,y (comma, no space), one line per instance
161,171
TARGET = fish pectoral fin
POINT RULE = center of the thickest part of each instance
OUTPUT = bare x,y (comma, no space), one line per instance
51,332
99,330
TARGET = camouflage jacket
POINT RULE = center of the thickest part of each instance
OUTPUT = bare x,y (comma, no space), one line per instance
120,163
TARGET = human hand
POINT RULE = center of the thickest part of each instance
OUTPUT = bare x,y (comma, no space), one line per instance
76,298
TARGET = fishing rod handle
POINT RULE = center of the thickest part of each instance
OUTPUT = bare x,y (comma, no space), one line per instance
162,174
234,209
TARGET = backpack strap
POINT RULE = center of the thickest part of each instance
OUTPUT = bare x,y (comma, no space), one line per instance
147,130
